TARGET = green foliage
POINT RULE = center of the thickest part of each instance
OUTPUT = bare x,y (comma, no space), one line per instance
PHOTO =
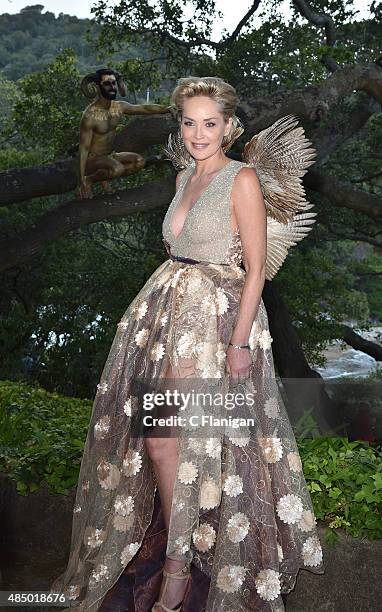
9,94
42,437
30,40
58,315
320,289
345,481
50,105
268,53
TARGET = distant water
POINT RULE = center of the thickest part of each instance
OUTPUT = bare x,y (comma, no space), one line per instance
349,362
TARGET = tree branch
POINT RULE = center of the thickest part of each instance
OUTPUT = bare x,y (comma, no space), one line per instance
361,344
200,41
322,20
241,24
70,216
344,195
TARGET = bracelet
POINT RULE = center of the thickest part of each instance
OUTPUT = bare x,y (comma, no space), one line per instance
240,346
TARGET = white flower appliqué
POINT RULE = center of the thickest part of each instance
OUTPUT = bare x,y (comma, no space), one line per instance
95,538
307,521
294,461
268,584
273,449
128,552
238,527
188,472
132,463
222,301
108,475
312,551
204,537
271,408
230,578
289,508
157,351
101,572
209,494
124,504
140,311
233,485
141,337
102,388
102,427
265,340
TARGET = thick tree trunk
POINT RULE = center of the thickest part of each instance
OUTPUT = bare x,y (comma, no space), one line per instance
304,387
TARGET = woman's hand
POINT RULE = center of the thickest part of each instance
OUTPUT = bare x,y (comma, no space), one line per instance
238,363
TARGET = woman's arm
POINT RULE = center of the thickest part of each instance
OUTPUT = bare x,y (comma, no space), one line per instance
251,217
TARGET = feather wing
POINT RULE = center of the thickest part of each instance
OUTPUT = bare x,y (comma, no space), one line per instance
282,236
176,152
281,155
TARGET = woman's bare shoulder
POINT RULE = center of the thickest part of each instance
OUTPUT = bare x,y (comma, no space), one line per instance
246,181
246,176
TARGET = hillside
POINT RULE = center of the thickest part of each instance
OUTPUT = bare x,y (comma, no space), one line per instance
31,39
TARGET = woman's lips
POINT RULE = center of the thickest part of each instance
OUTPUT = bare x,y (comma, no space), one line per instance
199,146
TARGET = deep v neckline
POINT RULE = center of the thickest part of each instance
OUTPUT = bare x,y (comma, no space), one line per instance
181,190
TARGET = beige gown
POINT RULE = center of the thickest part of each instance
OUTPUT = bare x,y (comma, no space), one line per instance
241,509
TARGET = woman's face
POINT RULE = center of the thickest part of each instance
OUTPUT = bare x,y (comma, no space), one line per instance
203,126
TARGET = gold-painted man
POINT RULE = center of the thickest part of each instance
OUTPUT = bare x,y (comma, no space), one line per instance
98,161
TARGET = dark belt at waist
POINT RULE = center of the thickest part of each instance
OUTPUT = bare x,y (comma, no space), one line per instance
184,259
187,260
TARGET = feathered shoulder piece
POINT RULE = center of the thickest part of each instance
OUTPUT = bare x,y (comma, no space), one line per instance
176,152
280,154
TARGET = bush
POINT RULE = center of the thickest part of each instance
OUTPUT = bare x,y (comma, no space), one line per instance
42,437
345,481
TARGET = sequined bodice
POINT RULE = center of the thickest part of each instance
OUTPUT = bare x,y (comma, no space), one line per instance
207,232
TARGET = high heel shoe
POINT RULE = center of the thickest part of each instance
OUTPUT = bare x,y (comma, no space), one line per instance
181,574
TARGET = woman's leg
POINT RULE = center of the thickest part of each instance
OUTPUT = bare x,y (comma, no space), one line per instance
163,453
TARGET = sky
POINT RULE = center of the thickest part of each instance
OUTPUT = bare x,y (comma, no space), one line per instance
233,10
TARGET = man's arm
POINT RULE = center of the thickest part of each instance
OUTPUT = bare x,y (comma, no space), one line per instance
145,109
86,136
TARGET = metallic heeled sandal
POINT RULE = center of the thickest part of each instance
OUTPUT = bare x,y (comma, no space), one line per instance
181,574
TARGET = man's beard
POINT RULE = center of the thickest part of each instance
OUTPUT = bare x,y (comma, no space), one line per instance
108,94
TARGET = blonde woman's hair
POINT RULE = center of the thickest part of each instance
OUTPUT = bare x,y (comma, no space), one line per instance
218,90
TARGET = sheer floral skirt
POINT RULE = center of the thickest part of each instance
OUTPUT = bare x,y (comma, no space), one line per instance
241,509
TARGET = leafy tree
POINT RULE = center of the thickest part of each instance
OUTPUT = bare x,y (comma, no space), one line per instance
61,307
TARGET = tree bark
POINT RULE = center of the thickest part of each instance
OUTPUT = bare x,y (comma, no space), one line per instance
74,214
361,344
304,387
344,195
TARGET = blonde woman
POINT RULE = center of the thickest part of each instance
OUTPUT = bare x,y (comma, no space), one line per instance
232,494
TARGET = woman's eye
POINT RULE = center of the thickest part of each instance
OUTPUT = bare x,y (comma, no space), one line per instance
209,124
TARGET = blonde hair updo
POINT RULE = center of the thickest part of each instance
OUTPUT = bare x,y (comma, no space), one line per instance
218,90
